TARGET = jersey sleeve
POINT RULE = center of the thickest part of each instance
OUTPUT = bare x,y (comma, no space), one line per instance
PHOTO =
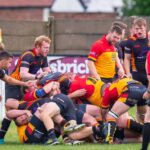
26,60
127,46
119,50
95,51
2,74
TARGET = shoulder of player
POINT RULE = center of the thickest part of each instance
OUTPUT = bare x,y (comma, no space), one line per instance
132,38
28,53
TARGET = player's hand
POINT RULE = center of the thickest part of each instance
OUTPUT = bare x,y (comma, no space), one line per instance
146,95
28,113
121,73
79,93
40,109
55,88
30,83
129,75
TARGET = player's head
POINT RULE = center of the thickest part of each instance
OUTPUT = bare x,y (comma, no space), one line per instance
5,59
31,88
122,25
64,86
140,27
115,34
65,82
21,120
42,44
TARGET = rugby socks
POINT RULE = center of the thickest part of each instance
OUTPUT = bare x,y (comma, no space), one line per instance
134,126
111,128
4,127
119,134
146,136
51,133
98,131
52,139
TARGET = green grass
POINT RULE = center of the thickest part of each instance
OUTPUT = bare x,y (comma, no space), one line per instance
12,143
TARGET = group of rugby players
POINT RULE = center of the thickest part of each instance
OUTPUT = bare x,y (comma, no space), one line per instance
80,108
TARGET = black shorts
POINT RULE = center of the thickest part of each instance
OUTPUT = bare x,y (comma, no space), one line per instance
135,95
80,110
79,115
67,108
81,107
13,91
35,132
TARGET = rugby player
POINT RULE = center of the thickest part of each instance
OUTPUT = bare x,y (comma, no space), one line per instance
27,69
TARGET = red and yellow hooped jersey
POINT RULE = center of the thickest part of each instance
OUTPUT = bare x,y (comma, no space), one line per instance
91,85
116,91
21,132
104,56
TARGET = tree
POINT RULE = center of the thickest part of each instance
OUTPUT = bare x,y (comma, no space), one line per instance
136,7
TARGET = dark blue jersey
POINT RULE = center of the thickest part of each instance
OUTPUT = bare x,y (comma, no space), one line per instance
138,49
30,60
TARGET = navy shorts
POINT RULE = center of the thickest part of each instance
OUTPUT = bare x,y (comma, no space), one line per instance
135,95
13,91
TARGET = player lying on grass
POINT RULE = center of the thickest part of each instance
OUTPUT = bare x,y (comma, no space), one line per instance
59,104
50,108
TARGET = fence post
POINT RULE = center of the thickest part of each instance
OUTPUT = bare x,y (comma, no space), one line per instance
51,32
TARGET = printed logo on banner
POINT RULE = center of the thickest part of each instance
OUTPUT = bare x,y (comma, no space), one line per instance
69,64
63,64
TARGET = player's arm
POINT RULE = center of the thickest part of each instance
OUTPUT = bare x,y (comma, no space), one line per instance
25,75
77,93
26,60
47,89
92,69
120,67
47,69
12,104
13,81
127,59
12,114
95,52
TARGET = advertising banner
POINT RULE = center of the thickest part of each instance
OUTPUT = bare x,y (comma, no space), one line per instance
75,64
